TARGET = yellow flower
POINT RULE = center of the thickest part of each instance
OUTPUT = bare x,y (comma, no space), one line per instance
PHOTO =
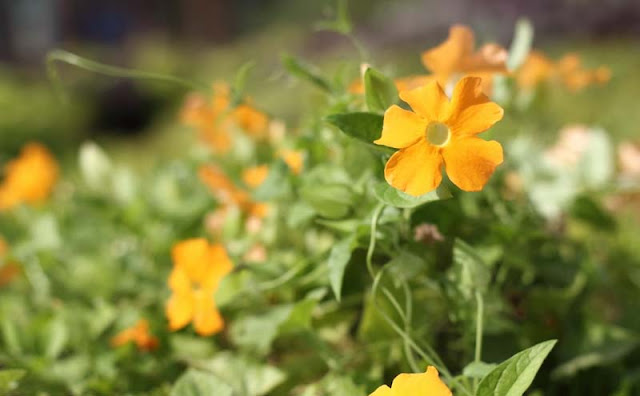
441,132
139,334
294,160
198,268
30,178
255,176
456,57
425,384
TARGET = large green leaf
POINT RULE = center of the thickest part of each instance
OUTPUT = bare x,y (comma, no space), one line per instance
328,200
365,127
9,380
200,383
514,376
338,260
379,90
393,197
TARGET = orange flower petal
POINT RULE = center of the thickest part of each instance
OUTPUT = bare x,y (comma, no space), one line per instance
401,128
191,256
470,161
179,280
206,318
427,383
415,169
255,176
428,101
447,58
180,310
216,265
471,111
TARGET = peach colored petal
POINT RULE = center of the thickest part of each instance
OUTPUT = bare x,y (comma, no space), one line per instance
206,318
447,58
411,82
428,101
401,128
180,310
470,161
416,170
428,384
471,110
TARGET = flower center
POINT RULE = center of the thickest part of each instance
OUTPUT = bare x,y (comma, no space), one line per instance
437,134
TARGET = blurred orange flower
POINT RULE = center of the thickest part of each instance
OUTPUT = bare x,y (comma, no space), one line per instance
294,160
251,120
138,334
30,178
424,384
198,268
629,159
227,192
255,176
456,57
569,71
211,119
441,132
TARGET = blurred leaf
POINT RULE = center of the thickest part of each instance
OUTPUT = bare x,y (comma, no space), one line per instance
240,81
276,185
597,164
337,263
514,376
342,22
95,166
56,337
365,127
10,336
257,332
244,375
305,72
469,272
9,380
199,383
521,44
396,198
333,201
379,90
405,265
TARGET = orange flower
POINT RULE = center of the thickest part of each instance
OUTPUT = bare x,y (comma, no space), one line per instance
198,268
228,194
424,384
568,70
441,132
251,120
211,119
456,57
255,176
139,334
30,178
535,69
256,254
294,160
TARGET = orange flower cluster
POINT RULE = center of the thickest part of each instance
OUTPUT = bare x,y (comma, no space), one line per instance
441,132
138,334
424,384
214,119
230,195
30,178
198,268
569,71
256,175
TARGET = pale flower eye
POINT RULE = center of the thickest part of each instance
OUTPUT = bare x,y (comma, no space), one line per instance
437,134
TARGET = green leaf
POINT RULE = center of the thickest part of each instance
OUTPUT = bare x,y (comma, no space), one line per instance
337,263
328,200
514,376
342,22
521,44
56,335
240,81
305,72
276,185
9,380
379,90
200,383
365,127
393,197
478,369
469,272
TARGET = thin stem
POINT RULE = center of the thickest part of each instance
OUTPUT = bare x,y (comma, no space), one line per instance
372,240
59,55
479,330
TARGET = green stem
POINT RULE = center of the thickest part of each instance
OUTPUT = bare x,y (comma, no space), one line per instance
479,330
59,55
372,240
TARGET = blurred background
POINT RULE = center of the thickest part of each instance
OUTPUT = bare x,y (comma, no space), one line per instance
208,40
